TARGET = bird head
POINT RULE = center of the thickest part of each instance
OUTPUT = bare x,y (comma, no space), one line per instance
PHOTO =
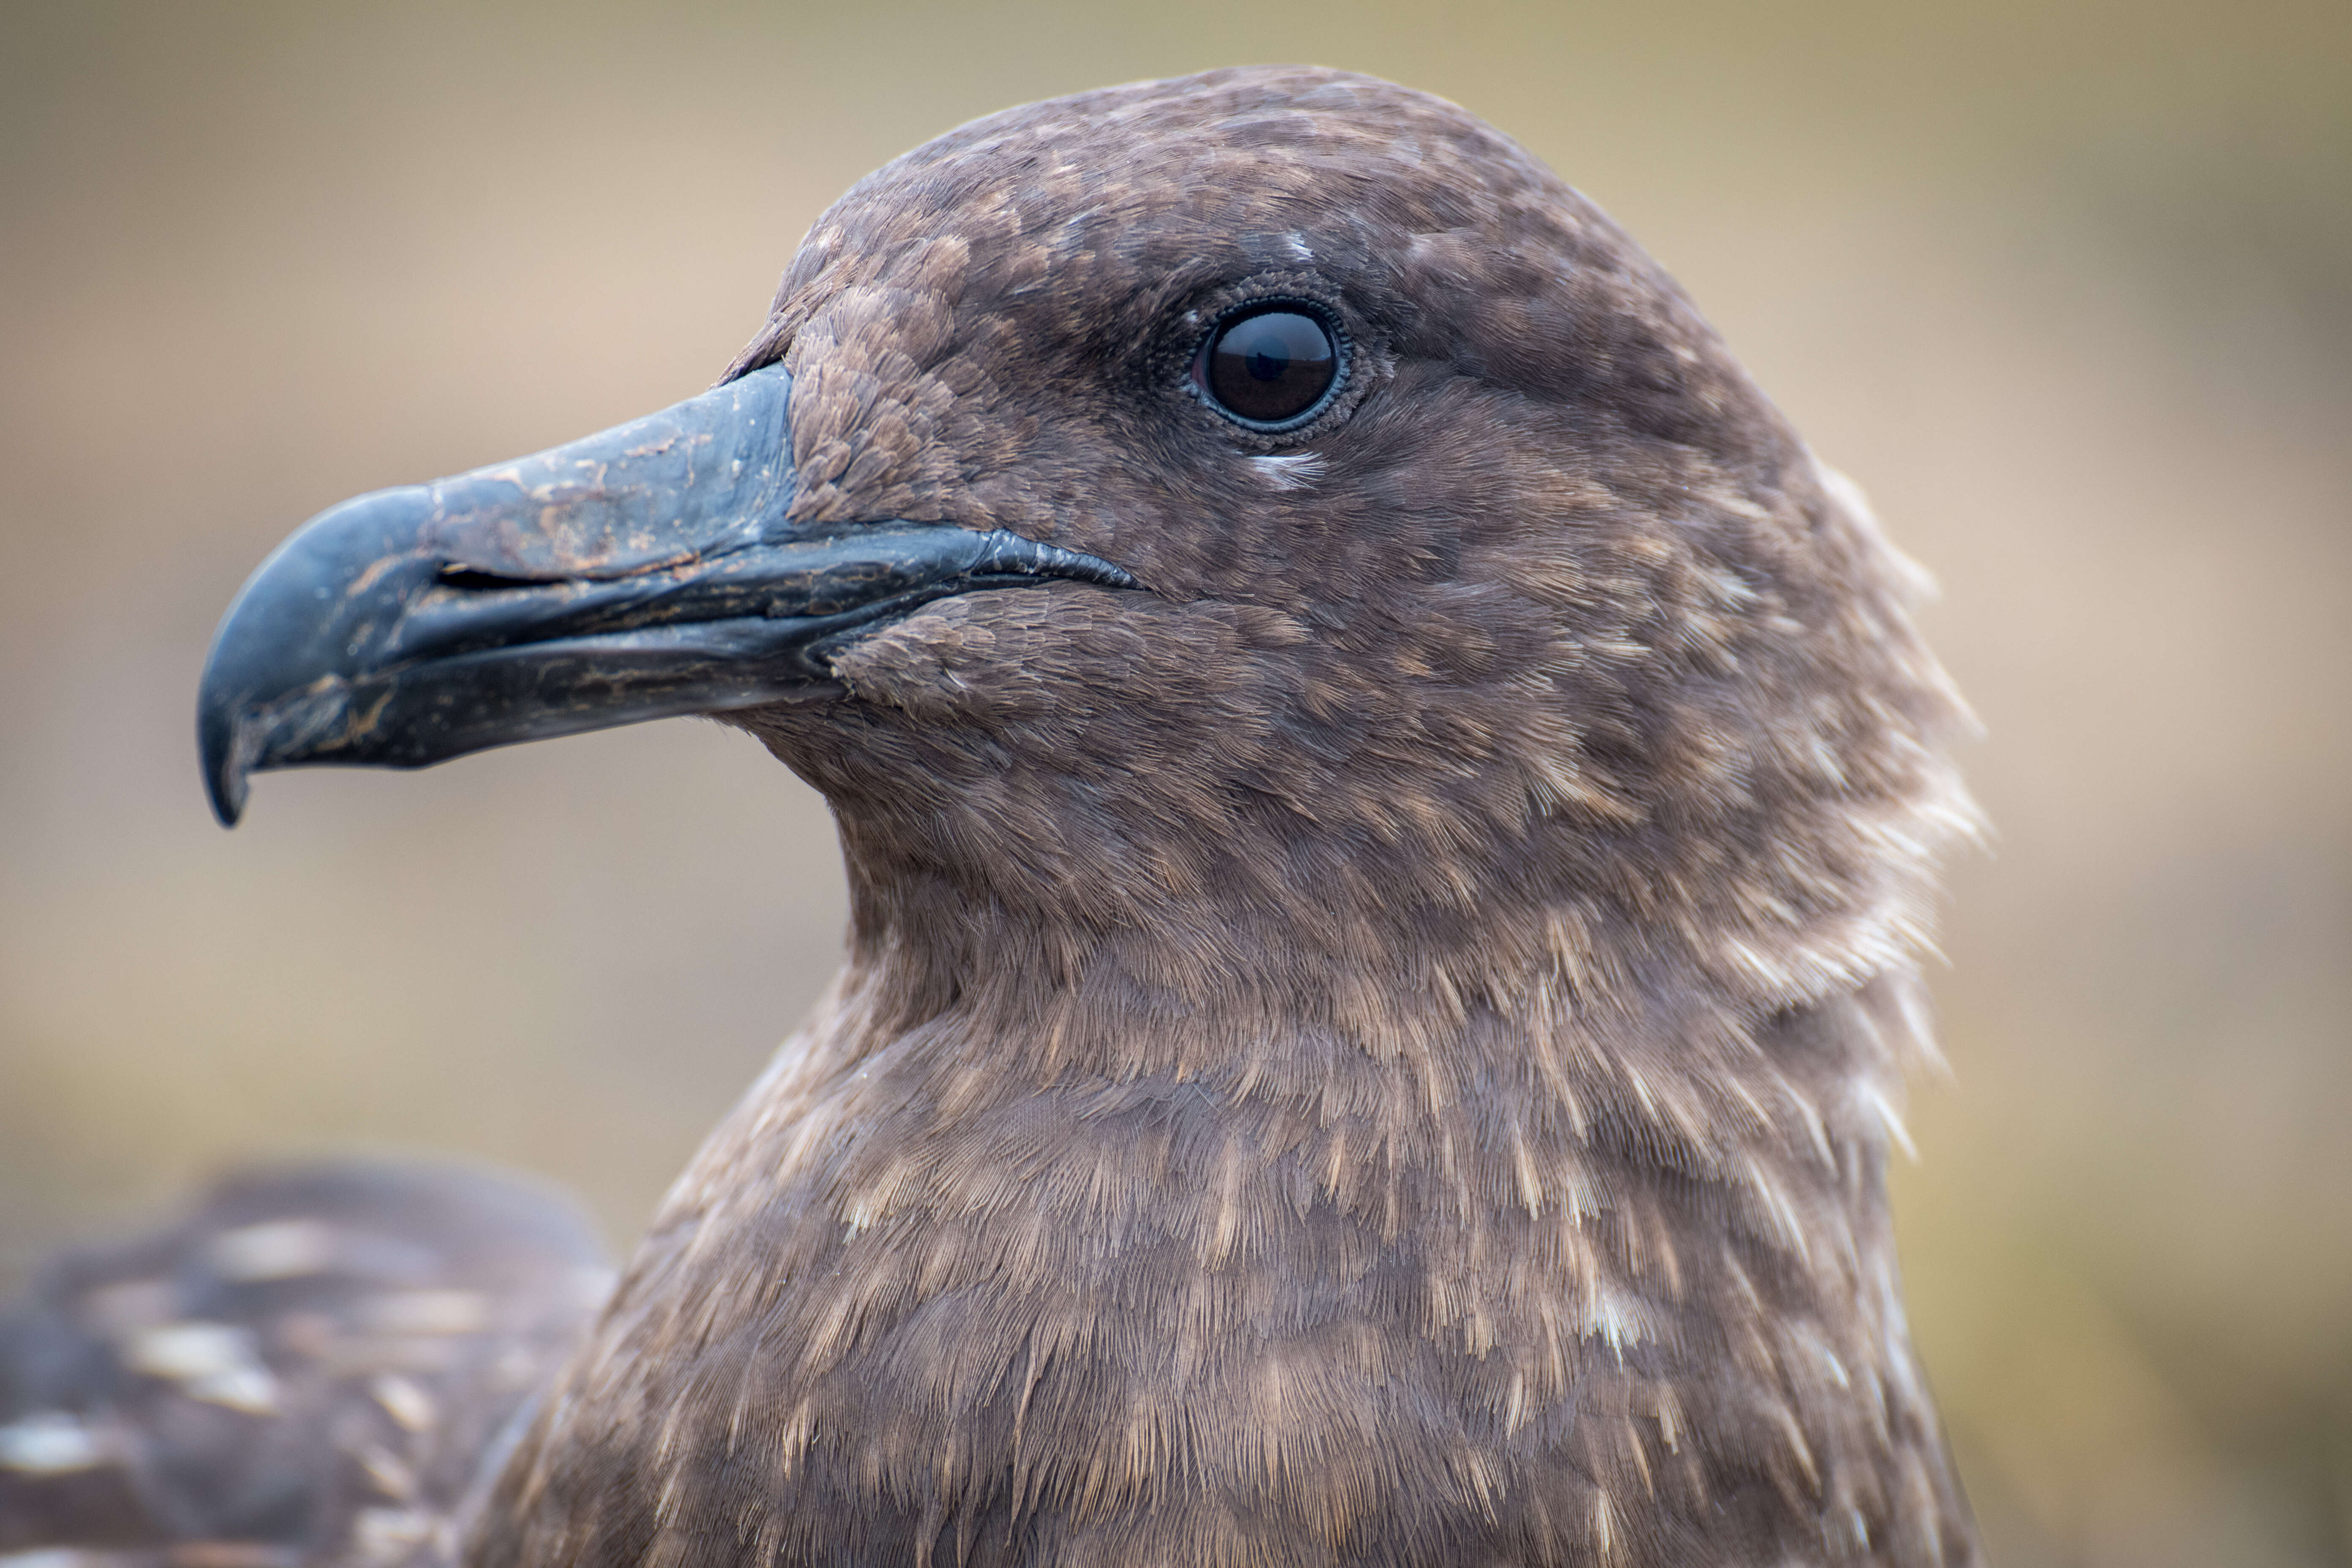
1266,512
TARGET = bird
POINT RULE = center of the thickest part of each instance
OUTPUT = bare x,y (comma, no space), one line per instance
309,1367
1393,811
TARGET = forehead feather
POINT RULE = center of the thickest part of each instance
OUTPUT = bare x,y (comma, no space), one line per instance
1271,161
1106,222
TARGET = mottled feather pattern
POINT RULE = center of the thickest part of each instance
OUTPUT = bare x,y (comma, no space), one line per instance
308,1370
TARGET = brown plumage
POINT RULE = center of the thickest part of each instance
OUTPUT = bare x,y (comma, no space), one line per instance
310,1368
1380,1045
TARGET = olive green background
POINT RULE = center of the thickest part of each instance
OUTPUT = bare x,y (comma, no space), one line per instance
2067,287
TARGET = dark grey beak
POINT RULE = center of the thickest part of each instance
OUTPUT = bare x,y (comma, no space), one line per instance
642,572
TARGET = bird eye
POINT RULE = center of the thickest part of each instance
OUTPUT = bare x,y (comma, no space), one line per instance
1268,368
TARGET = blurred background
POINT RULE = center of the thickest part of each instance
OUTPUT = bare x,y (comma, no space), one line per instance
2068,288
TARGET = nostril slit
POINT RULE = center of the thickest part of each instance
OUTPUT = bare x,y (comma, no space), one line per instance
471,579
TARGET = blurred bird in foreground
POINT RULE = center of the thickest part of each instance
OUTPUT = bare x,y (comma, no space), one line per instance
1391,809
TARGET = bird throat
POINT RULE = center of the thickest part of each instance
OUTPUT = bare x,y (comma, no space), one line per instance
1029,1210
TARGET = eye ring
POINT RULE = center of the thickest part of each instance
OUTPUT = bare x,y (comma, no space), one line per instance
1271,365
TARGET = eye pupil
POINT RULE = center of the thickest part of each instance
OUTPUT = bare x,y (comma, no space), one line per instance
1270,366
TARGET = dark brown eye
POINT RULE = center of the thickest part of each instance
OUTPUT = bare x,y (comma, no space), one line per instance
1268,368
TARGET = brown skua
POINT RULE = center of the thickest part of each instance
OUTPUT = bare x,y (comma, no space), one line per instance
1384,940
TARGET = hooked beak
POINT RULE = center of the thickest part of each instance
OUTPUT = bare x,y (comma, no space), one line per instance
642,572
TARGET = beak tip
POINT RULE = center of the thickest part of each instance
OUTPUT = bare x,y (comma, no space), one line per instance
225,769
227,792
